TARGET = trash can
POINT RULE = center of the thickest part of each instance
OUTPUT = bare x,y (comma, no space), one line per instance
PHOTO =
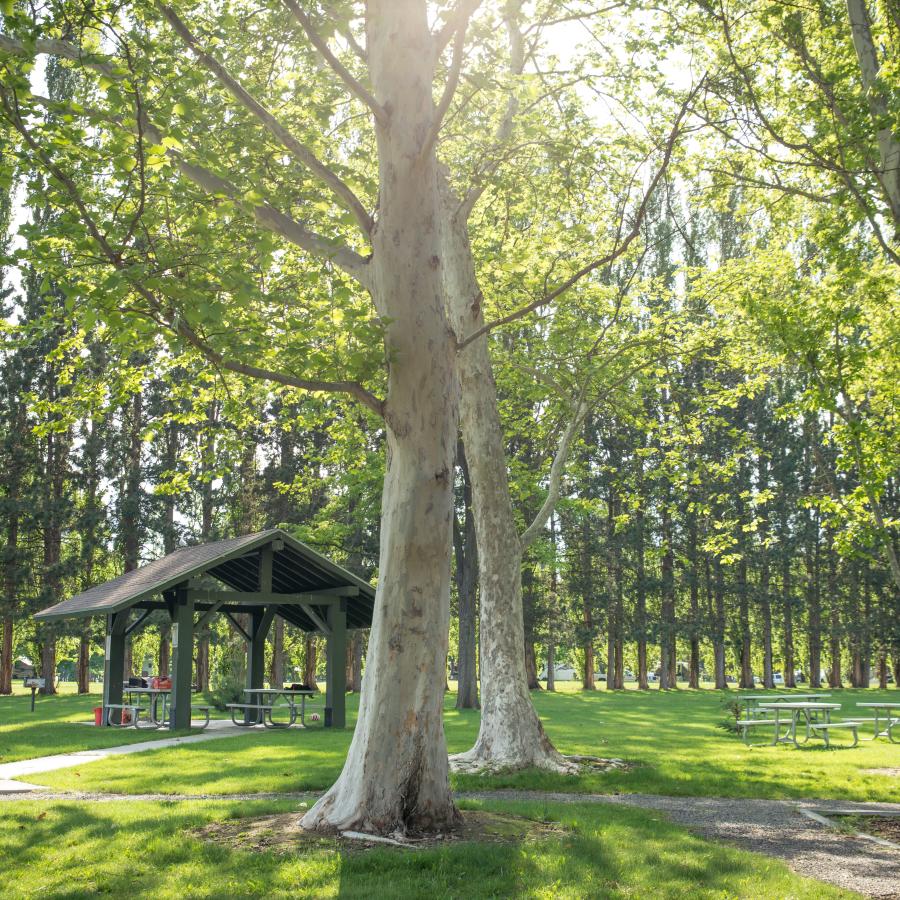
98,715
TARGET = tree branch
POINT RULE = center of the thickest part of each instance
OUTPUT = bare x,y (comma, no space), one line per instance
620,247
266,215
451,85
504,129
167,318
272,125
357,89
557,468
52,47
462,12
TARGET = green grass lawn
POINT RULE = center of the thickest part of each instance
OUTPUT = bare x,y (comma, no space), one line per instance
672,739
81,849
145,849
57,725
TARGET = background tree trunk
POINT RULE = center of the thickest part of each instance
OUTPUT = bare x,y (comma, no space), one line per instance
6,654
354,682
790,664
640,590
719,625
466,551
510,735
309,662
83,664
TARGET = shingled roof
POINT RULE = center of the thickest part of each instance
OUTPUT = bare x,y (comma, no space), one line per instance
296,569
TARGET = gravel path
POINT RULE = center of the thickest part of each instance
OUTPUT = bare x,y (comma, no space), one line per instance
775,828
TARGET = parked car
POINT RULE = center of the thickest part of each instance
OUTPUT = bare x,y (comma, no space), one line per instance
778,679
799,678
629,675
561,673
652,676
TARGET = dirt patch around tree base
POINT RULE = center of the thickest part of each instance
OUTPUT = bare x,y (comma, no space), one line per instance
282,834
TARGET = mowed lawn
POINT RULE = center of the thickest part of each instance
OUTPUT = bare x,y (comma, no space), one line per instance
57,725
144,849
672,739
141,848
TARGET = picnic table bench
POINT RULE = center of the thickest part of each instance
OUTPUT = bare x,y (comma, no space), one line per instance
826,727
133,710
156,709
263,701
891,716
746,724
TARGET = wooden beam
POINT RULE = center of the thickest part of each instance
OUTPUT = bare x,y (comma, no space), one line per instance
208,614
345,590
138,621
319,622
265,569
265,598
237,626
336,668
182,662
114,660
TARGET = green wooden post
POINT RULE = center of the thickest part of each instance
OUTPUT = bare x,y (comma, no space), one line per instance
336,666
114,662
182,660
260,622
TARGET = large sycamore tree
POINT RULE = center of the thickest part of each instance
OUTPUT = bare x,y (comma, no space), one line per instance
201,127
611,176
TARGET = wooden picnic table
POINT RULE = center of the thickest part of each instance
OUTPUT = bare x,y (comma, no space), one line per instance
810,712
262,701
891,714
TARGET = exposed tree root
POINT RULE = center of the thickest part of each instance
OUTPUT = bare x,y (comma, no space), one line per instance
472,763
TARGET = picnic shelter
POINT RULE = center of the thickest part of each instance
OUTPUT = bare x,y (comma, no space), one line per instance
257,576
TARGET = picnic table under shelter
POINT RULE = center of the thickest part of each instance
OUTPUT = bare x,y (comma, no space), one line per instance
258,575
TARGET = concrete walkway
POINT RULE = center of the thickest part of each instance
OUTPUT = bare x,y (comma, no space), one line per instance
10,773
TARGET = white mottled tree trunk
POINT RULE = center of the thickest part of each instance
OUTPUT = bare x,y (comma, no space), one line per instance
511,735
876,95
395,778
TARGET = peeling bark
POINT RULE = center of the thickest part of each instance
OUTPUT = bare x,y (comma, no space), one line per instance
511,735
395,778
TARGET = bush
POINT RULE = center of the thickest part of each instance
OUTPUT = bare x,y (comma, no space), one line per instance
226,682
733,708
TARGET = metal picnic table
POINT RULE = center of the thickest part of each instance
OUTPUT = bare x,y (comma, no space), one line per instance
753,701
157,720
262,701
809,711
891,714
